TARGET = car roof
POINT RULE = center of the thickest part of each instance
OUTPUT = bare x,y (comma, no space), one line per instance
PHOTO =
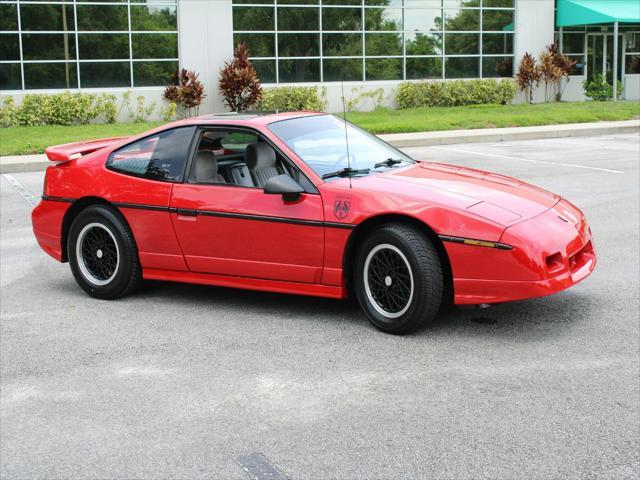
248,118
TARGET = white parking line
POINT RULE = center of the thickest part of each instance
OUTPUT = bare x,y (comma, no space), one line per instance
509,157
18,187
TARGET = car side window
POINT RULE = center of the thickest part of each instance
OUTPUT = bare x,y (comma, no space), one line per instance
159,157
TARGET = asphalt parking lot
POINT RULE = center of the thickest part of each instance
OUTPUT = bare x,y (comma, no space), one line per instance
182,381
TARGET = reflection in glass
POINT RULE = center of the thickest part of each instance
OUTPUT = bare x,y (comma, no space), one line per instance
103,17
423,44
383,69
342,69
47,17
10,76
253,18
260,44
154,45
9,47
49,46
341,44
298,19
148,74
298,44
632,65
497,43
462,43
578,68
423,20
497,67
378,44
341,19
266,70
497,20
452,4
573,43
498,3
306,70
105,74
424,68
50,75
150,17
106,46
383,19
462,67
8,17
462,20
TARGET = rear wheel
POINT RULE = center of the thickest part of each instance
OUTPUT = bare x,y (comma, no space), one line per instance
102,253
398,279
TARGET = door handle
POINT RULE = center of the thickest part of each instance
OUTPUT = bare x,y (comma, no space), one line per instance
186,212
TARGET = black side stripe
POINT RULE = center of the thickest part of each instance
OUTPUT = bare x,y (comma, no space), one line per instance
209,213
58,199
475,243
140,206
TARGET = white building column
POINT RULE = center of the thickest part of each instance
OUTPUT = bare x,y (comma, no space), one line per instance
534,27
205,36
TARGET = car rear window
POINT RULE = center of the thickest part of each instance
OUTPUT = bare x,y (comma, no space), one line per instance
158,157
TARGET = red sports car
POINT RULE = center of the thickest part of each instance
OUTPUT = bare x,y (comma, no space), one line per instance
304,203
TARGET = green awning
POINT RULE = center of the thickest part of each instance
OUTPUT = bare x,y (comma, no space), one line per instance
508,28
586,12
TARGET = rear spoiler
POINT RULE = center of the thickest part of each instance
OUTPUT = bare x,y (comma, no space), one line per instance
71,151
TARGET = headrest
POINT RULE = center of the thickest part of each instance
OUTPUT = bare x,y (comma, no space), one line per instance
206,166
259,155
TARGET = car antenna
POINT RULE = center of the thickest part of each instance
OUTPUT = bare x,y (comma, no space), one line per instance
344,117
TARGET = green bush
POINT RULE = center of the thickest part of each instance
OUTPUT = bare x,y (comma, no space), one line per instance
455,93
599,89
61,109
7,112
286,99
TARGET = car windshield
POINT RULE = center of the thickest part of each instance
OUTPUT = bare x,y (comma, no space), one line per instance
321,142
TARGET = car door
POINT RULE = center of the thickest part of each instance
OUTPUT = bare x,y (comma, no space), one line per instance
228,229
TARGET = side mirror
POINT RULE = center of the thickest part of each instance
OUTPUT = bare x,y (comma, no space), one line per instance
284,185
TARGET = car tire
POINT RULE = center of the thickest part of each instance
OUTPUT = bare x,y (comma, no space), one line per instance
102,253
398,279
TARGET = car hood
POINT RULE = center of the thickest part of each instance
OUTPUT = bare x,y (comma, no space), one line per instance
499,198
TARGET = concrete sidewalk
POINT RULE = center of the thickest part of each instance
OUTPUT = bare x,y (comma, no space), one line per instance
33,163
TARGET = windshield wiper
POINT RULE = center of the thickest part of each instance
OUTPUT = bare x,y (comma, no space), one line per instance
345,172
389,162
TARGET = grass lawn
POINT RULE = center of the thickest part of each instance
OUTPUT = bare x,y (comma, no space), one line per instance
25,140
428,119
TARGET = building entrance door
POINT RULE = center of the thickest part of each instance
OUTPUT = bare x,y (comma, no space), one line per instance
600,55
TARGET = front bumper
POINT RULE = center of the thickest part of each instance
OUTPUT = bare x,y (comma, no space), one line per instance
551,252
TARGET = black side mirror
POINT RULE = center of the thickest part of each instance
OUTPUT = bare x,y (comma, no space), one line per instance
284,185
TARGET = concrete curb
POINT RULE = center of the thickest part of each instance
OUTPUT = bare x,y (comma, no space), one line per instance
449,137
36,163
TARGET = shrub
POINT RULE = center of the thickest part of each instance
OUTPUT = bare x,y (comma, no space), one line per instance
376,96
599,89
528,76
168,112
108,107
239,84
61,109
186,91
285,99
455,93
554,68
7,112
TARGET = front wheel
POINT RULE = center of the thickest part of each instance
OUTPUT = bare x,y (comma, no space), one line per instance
398,279
102,253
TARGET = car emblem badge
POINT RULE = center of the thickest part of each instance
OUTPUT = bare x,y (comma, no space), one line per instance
341,208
